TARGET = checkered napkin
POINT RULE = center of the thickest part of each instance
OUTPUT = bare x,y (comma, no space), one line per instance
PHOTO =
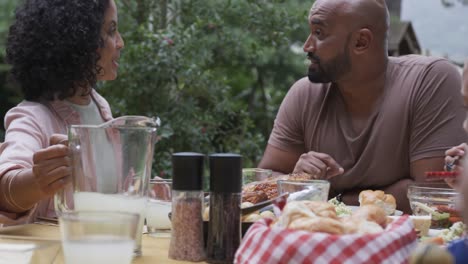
265,244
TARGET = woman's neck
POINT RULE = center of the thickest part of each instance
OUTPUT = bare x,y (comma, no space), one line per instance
80,98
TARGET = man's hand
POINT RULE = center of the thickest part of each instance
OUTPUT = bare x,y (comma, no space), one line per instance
319,165
160,189
51,167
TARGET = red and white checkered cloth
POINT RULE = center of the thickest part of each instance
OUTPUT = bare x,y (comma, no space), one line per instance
263,244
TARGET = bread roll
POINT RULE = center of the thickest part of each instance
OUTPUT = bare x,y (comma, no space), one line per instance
293,210
246,204
379,198
372,213
323,209
268,214
316,216
318,224
206,214
368,227
350,225
251,217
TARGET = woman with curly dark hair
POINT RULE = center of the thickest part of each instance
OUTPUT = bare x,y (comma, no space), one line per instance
58,50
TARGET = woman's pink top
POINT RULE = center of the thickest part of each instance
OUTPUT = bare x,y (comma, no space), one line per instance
29,126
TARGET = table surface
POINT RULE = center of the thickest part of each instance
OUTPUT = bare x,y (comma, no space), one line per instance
155,249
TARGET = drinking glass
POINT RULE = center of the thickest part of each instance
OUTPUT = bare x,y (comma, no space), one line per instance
158,208
255,174
312,190
28,250
111,167
436,201
93,237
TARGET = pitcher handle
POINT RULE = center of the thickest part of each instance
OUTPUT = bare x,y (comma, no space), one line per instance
132,121
61,202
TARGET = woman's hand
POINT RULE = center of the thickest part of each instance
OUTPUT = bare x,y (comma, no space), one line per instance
453,158
453,155
51,167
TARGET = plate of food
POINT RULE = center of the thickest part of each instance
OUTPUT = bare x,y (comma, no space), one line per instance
446,235
355,207
259,191
368,197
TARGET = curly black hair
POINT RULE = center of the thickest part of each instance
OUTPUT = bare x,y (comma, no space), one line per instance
52,46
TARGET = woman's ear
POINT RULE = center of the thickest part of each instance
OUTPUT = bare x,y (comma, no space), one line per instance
362,40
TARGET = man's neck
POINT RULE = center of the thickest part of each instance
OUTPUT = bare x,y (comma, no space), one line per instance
362,93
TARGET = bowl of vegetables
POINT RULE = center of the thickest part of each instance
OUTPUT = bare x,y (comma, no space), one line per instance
437,200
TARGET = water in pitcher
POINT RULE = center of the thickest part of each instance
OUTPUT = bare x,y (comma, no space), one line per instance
111,167
93,201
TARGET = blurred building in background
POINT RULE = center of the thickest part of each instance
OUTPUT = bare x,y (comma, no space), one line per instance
402,37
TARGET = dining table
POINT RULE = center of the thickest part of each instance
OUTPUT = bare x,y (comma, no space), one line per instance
154,249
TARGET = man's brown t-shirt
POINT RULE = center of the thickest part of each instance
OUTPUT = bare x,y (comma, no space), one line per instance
420,116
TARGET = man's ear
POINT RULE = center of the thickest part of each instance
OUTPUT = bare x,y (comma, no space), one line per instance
362,40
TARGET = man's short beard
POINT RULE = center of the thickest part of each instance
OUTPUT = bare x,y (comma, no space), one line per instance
330,71
318,76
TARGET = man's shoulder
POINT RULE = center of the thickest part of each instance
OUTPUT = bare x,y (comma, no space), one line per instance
303,87
419,62
305,97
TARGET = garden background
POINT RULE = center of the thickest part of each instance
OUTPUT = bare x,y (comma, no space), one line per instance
214,71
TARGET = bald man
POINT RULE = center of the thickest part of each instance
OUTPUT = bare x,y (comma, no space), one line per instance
361,119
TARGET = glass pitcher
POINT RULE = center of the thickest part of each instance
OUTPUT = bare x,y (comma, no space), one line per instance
111,167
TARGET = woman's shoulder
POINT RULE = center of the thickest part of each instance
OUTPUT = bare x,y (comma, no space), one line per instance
103,105
29,112
34,109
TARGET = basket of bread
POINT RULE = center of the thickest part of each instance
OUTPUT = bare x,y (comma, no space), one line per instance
312,232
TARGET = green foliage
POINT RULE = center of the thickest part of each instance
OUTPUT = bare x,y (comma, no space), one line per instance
8,98
213,71
7,8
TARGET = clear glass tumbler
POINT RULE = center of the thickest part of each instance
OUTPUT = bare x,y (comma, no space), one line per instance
98,237
255,174
158,207
312,190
